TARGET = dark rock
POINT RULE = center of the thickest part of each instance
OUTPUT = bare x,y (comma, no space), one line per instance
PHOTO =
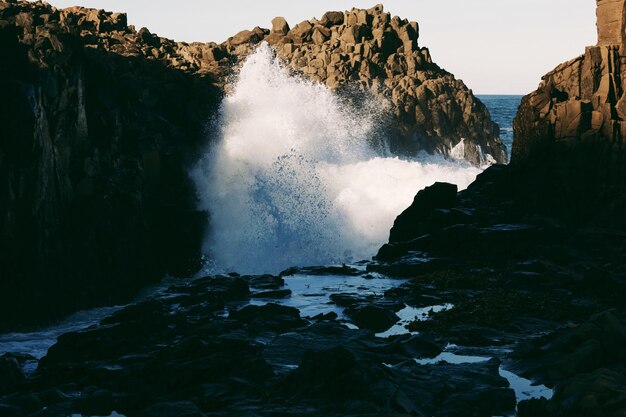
272,294
372,317
595,394
415,220
11,373
98,133
176,409
598,342
265,282
321,270
272,317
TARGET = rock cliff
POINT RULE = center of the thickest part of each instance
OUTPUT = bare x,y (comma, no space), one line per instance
99,123
576,119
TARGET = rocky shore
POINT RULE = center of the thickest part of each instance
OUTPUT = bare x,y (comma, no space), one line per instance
520,278
100,124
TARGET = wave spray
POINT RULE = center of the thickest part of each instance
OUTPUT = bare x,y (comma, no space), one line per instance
294,177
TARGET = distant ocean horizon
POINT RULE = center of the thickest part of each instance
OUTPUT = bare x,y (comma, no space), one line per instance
503,108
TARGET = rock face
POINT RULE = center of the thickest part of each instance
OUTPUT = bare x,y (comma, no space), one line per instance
98,124
611,22
577,117
431,110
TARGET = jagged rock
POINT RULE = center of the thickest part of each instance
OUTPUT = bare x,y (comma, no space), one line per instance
280,25
98,124
247,36
418,218
332,19
576,116
429,109
611,16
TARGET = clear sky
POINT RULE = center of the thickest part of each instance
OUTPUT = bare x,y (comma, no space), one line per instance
495,46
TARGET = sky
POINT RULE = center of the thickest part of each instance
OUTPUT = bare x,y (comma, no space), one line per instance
494,46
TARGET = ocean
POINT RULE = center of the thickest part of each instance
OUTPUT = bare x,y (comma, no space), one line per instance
503,109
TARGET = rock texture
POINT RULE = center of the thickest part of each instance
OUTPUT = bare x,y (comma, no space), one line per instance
611,16
98,124
431,110
577,117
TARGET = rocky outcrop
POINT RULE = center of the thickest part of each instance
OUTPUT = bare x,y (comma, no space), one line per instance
98,124
431,110
540,241
576,119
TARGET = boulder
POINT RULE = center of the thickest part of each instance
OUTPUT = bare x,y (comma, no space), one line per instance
409,224
247,36
372,317
280,25
332,19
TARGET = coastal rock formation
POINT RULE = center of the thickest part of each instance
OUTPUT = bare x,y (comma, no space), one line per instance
431,110
100,122
541,241
577,117
98,126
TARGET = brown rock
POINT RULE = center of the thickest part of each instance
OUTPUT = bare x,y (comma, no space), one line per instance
280,25
611,23
350,35
332,19
301,31
579,110
320,36
247,36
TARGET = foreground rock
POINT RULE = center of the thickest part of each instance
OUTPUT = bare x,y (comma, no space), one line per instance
179,354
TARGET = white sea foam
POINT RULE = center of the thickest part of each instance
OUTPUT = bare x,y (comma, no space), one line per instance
293,178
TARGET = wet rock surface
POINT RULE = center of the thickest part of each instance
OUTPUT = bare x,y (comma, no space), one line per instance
202,349
221,345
